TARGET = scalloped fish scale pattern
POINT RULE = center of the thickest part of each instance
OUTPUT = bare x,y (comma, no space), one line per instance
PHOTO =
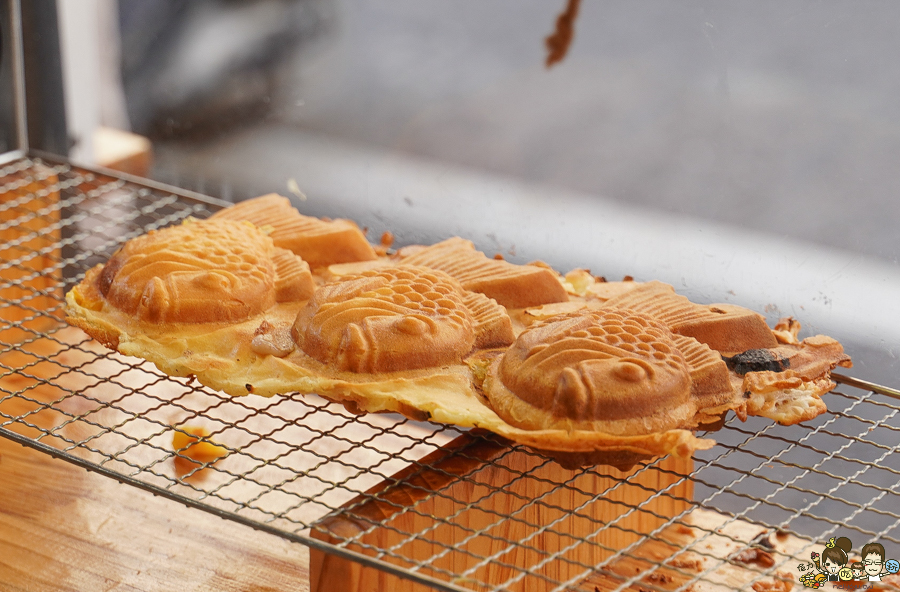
590,366
385,320
197,272
624,335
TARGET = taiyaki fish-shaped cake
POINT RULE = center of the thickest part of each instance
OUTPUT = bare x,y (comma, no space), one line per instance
261,299
398,318
609,370
513,286
772,373
214,271
318,242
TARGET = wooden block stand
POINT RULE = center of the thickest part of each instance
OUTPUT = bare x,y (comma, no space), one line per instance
478,498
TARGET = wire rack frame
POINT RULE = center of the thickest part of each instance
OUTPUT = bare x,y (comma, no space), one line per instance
436,506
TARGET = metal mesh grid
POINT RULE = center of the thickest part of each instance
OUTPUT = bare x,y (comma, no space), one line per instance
453,510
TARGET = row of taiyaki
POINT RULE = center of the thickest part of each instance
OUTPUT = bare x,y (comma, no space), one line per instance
633,364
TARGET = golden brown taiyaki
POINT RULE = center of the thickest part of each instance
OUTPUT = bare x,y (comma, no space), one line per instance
260,299
397,318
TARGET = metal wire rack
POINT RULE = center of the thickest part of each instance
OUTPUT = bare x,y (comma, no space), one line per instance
386,495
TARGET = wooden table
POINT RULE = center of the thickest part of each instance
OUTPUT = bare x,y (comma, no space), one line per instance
63,528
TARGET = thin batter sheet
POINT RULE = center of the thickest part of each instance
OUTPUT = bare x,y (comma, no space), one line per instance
222,357
410,334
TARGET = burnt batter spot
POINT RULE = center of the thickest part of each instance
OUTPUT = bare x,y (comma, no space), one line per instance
112,267
249,387
659,578
756,360
759,557
763,540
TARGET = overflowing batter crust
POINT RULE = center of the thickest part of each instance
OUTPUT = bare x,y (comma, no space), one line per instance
260,299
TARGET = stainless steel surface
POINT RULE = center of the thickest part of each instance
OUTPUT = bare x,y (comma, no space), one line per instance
865,384
294,460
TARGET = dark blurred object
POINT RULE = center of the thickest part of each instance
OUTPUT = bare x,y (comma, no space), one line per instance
204,66
45,104
8,139
43,86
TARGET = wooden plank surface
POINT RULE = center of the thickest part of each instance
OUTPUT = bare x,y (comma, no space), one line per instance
65,529
716,554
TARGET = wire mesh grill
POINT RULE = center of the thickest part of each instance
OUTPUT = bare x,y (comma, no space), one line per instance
454,510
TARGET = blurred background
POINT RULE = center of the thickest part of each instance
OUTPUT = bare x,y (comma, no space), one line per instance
745,152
